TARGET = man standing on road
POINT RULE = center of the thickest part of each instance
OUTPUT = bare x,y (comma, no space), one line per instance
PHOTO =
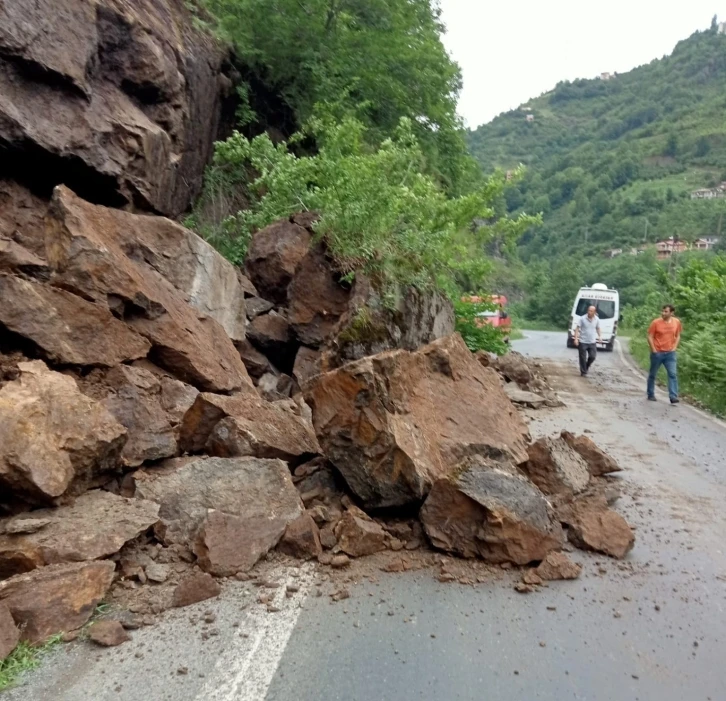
664,335
587,335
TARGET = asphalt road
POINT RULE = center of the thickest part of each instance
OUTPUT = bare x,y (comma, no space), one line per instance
650,628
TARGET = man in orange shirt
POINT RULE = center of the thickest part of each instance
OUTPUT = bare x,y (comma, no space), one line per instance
664,335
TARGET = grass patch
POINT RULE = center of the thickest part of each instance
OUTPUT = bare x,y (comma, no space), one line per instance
516,335
24,658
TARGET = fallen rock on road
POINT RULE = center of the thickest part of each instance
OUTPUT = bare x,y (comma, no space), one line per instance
52,437
394,423
56,598
598,461
108,633
594,526
491,511
229,511
194,588
9,633
96,525
556,468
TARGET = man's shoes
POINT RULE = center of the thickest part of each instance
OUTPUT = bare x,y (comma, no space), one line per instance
675,401
651,399
583,374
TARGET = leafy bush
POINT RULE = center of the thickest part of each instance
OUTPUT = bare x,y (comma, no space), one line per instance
476,336
379,213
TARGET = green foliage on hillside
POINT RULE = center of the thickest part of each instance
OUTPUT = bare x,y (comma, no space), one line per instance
379,213
477,335
611,163
380,60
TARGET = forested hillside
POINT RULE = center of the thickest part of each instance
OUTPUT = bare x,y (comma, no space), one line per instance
612,162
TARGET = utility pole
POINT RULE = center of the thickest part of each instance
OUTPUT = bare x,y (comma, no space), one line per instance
645,235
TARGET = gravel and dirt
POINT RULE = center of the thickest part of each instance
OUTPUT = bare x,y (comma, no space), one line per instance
648,627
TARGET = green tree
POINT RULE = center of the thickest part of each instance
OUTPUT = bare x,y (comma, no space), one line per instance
600,204
671,148
379,59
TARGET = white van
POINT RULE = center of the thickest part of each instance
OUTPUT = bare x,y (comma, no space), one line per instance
607,302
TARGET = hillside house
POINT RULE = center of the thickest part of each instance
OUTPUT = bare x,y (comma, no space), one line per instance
667,247
606,76
706,243
530,118
613,252
722,27
708,193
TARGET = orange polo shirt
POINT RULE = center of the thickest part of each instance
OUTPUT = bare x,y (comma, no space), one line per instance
664,334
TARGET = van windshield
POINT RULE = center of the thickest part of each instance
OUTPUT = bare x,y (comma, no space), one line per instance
605,307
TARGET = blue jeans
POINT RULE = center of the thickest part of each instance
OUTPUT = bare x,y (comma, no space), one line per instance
668,359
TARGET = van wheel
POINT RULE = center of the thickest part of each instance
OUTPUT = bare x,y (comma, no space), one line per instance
610,346
570,342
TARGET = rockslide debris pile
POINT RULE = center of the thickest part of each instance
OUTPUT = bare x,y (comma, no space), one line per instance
167,419
162,421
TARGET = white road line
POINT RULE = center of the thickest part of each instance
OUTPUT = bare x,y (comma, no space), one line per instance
244,672
641,375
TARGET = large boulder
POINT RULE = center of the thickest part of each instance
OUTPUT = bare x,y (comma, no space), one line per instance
230,511
66,328
9,633
316,299
371,326
52,437
523,397
301,538
273,256
270,333
96,525
598,461
358,534
123,97
592,525
245,424
94,253
21,216
149,405
513,367
255,362
489,510
556,468
395,423
57,598
15,258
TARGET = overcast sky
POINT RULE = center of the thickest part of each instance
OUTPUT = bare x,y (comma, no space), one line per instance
511,51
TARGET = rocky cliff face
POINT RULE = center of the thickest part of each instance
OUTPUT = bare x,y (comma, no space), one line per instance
118,99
